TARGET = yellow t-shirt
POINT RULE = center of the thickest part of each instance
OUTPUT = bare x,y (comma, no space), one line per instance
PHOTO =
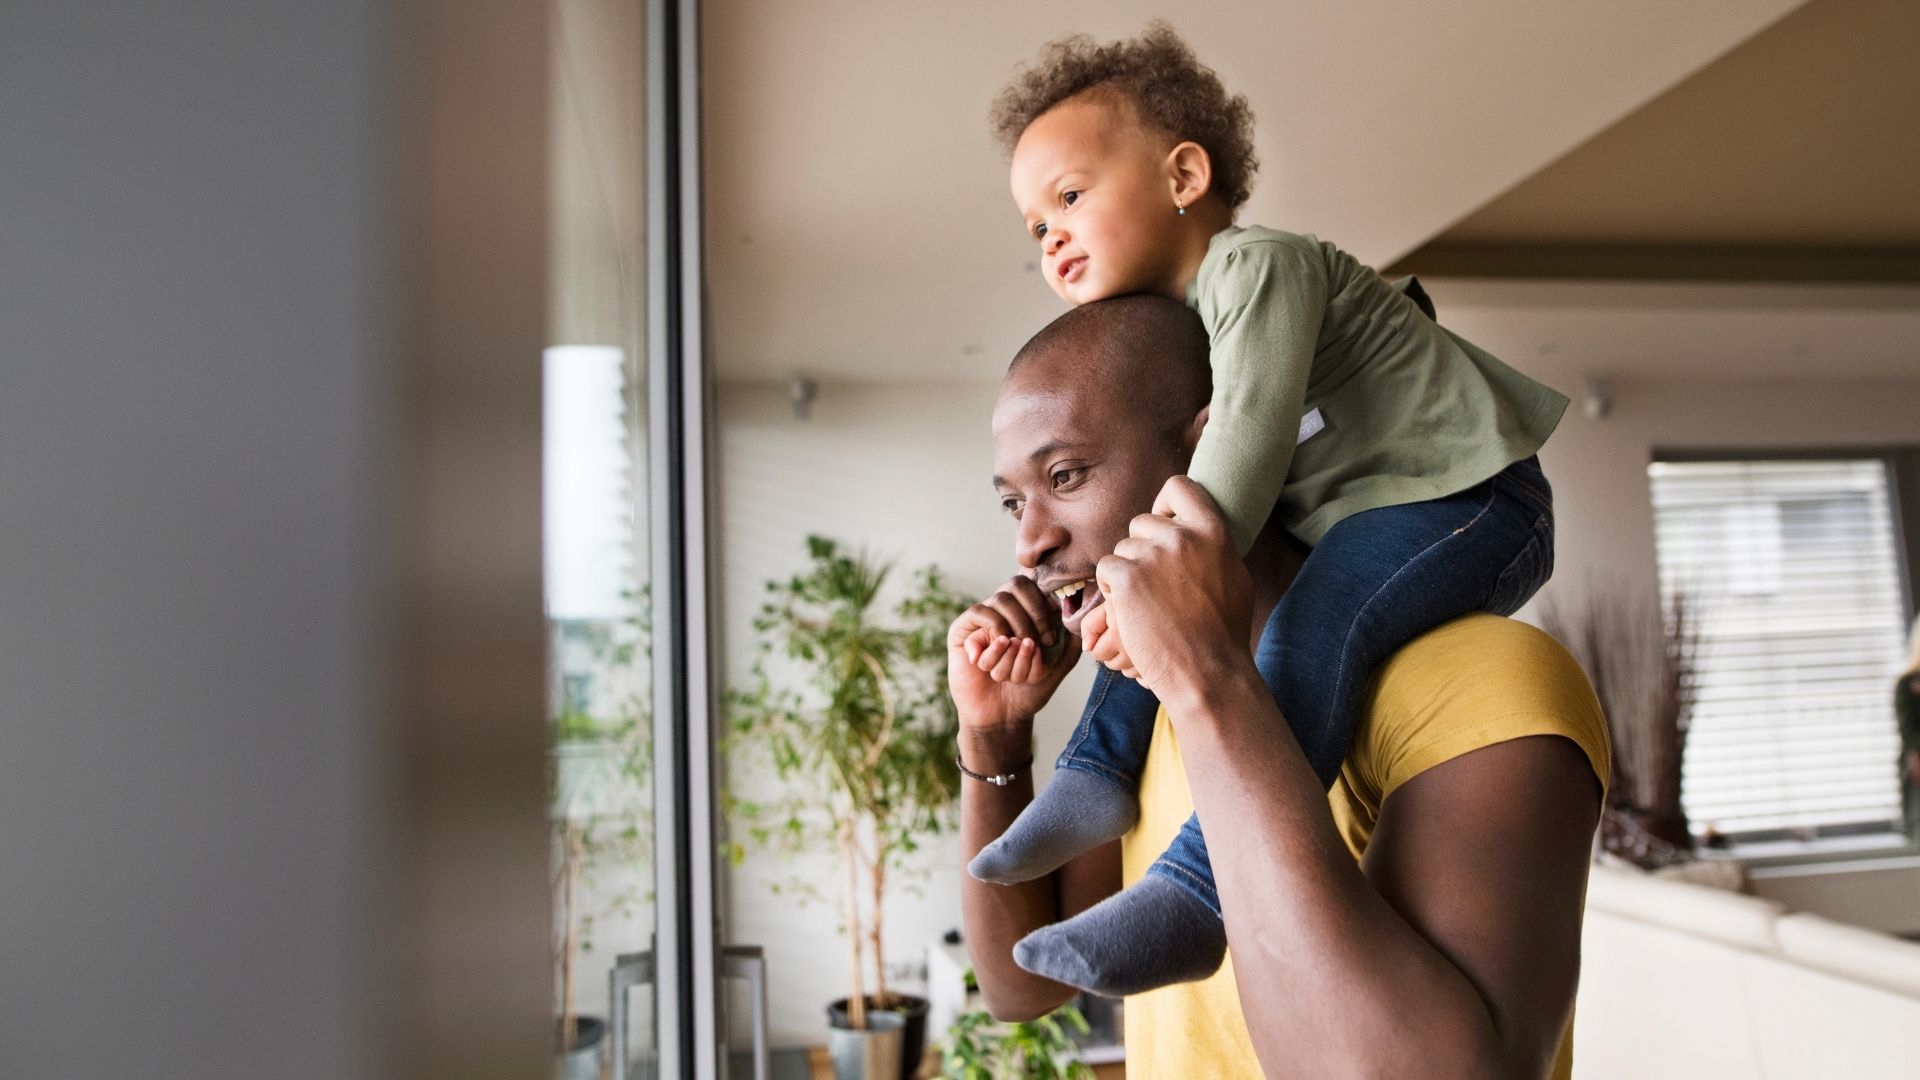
1473,682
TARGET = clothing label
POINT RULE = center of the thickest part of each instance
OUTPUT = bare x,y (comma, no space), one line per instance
1310,425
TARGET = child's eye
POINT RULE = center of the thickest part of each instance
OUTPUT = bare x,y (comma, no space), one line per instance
1070,198
1040,231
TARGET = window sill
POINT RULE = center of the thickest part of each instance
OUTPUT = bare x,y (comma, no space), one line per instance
1763,857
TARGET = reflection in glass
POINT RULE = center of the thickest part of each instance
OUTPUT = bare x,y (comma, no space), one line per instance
595,534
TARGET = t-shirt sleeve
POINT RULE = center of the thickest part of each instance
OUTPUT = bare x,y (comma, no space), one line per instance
1263,309
1474,682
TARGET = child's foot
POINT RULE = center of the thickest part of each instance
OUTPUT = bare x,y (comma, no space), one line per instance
1077,811
1151,934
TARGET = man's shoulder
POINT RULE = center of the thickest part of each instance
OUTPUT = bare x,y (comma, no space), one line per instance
1475,681
1482,646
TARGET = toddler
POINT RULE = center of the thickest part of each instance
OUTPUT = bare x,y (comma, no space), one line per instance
1403,455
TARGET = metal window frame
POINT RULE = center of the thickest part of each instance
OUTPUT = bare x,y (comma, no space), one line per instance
1902,465
687,949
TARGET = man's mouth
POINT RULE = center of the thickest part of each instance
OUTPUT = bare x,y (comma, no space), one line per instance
1071,269
1076,598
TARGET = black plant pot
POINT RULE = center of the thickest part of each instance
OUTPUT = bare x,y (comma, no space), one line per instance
913,1038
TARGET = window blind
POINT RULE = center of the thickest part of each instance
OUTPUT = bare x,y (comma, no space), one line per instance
1791,570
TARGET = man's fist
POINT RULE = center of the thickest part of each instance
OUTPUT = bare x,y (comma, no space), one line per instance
1177,594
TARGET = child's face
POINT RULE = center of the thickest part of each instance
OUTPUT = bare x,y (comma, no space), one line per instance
1094,191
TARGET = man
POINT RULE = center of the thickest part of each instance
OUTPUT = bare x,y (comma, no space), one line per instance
1423,918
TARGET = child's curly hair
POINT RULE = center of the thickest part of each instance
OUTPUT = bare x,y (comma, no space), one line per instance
1169,87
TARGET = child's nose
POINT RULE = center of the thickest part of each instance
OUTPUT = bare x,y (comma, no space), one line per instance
1056,239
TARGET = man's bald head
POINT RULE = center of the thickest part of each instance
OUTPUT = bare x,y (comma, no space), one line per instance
1144,355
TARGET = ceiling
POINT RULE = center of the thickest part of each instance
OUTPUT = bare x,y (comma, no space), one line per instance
857,216
1796,155
1566,331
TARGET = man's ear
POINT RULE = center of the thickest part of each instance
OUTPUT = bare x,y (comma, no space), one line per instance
1191,437
1189,173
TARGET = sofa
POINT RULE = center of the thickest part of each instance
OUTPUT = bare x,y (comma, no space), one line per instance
1686,980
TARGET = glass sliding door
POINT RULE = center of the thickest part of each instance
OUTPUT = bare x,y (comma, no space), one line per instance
630,812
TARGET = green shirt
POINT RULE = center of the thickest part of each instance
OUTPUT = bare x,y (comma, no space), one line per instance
1404,410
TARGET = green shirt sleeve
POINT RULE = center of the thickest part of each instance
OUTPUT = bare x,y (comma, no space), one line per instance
1263,302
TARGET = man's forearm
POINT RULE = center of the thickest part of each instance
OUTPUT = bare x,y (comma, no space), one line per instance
997,916
1325,966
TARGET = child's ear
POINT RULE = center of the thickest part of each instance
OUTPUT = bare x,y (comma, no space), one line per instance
1189,173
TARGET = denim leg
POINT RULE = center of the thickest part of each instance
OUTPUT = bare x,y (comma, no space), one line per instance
1115,730
1376,581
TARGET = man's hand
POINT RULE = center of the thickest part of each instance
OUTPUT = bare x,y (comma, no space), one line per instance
1177,594
997,669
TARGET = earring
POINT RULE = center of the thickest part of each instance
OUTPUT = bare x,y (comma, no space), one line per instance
1181,209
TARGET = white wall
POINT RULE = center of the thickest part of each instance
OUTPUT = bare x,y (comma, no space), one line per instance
904,470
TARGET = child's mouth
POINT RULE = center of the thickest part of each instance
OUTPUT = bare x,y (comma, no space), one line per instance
1070,270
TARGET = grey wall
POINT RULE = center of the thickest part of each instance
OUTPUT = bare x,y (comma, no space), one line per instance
192,267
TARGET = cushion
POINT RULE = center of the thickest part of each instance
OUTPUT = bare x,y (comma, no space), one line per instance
1716,914
1851,952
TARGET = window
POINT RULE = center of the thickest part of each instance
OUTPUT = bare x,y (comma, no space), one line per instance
1792,571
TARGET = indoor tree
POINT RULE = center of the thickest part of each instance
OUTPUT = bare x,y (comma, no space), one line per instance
849,702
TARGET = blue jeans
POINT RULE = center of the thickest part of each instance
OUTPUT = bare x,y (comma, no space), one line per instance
1376,581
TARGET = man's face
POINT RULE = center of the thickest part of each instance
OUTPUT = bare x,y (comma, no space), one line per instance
1073,468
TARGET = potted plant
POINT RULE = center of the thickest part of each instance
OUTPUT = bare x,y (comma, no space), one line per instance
861,729
978,1047
601,761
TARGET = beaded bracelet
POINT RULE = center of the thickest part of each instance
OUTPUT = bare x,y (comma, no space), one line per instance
1001,780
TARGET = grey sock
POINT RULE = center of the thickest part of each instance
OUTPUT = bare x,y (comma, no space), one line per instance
1149,935
1077,811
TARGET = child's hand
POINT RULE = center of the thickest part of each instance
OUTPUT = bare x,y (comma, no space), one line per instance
1021,661
1103,643
985,657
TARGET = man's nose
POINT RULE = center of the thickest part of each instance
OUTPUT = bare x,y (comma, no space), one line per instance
1037,537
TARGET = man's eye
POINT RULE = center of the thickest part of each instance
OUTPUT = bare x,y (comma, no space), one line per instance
1011,506
1068,477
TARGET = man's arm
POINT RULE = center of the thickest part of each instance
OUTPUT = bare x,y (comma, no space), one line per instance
1456,951
996,916
997,686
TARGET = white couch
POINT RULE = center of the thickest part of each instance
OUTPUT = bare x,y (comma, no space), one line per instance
1682,980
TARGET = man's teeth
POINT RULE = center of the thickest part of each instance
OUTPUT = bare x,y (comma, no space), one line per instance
1065,591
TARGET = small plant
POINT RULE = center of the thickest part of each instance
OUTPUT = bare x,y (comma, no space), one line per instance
978,1047
860,729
